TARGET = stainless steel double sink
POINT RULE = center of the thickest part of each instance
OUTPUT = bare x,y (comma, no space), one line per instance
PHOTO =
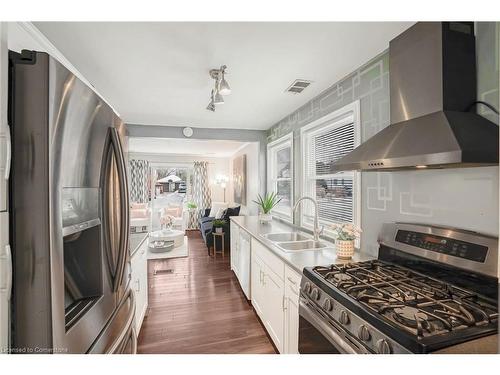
294,241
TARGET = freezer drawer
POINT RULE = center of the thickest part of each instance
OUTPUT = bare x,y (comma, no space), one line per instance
118,336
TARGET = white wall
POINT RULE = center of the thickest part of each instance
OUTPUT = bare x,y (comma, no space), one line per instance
254,176
216,166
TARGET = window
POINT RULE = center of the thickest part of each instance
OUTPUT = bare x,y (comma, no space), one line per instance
323,142
280,174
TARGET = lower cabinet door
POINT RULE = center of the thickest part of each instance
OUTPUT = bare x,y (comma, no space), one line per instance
257,287
291,324
274,307
140,284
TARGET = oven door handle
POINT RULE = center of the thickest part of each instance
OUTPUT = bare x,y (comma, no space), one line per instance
343,344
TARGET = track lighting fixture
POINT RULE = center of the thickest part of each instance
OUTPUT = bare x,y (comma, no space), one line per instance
221,88
211,105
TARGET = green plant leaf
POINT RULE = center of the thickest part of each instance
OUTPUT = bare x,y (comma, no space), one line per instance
268,202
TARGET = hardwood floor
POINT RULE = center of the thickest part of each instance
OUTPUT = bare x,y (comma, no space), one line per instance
199,307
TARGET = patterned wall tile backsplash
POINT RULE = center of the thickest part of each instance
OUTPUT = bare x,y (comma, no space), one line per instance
464,198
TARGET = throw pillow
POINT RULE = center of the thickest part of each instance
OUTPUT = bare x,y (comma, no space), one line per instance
232,211
215,208
220,213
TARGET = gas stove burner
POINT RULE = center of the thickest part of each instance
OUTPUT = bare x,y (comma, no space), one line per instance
342,277
410,314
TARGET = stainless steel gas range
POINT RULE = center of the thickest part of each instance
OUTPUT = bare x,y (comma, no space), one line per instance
431,289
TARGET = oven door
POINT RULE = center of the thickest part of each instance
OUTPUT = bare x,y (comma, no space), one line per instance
318,334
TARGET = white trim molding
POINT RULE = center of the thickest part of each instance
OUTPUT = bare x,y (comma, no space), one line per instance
345,115
272,148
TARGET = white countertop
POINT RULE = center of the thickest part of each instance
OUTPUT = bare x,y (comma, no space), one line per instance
296,259
136,240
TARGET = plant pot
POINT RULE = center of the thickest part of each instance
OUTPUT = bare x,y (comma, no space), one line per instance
218,230
265,218
344,249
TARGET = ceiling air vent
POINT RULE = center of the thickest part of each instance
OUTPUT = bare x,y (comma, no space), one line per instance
298,86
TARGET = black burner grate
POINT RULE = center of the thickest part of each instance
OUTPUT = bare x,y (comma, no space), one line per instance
419,304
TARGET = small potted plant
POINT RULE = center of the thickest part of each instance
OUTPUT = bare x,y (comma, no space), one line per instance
219,225
266,204
344,235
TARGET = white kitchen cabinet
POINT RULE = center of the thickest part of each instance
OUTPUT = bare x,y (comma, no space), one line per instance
235,234
292,288
268,292
257,286
139,263
5,281
274,304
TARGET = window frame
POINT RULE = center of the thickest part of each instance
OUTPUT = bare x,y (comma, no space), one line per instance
272,182
347,114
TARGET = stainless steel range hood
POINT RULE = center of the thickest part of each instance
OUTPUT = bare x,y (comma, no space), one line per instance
432,81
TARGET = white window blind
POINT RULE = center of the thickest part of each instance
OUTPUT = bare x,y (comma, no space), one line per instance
325,142
280,174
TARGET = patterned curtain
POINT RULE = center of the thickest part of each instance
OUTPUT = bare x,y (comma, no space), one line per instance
201,192
139,181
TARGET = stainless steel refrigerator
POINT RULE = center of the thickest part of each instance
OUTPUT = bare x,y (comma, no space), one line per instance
69,214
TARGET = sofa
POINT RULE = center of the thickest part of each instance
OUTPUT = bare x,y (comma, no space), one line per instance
206,226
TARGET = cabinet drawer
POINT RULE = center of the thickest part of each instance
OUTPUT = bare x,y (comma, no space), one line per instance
274,263
292,280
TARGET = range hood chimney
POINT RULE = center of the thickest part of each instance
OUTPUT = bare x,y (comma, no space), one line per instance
432,81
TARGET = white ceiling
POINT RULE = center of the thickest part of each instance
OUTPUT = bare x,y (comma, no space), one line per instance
157,73
181,146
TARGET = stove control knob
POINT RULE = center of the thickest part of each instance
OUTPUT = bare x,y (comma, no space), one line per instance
315,294
328,305
383,347
307,287
344,317
364,333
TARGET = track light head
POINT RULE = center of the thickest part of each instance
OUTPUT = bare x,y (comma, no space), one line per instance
224,88
211,107
218,99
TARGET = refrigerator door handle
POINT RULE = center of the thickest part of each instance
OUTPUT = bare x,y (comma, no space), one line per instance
129,322
8,152
124,209
134,341
7,259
